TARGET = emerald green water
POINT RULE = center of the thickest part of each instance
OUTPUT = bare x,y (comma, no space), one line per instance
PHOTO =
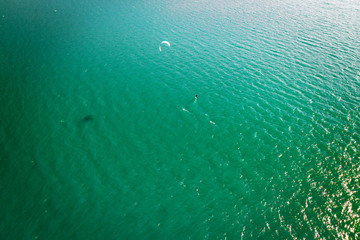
101,137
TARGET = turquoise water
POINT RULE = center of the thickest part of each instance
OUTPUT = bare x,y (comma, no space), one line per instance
101,137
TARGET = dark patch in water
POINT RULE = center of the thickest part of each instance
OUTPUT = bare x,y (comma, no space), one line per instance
88,118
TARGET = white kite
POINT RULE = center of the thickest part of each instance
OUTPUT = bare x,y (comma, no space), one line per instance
164,43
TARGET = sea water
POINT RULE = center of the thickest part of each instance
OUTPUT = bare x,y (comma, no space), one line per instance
101,137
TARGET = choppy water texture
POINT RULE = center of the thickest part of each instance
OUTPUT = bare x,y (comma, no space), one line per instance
101,137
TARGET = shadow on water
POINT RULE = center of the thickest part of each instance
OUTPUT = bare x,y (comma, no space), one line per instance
88,118
84,123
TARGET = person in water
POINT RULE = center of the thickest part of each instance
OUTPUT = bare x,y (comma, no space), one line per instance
195,97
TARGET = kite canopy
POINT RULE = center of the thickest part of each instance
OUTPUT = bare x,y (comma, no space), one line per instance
164,43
